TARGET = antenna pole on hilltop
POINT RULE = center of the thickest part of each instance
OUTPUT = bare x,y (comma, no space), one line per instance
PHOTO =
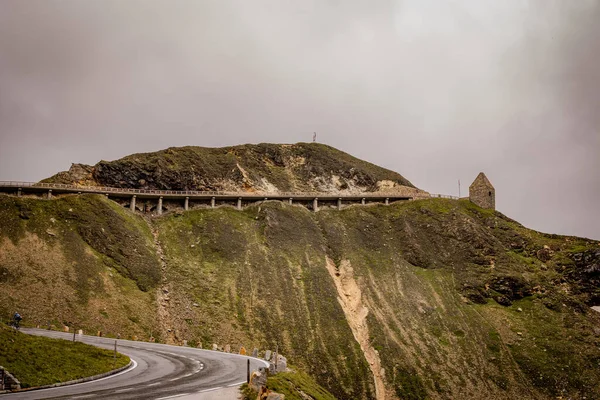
314,137
459,188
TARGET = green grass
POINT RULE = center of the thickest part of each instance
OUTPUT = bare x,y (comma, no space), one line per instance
545,350
37,361
291,384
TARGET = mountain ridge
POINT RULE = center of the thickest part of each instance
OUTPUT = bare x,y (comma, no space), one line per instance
262,167
424,299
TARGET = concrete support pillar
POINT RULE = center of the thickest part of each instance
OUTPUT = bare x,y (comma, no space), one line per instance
159,207
290,201
212,202
363,201
186,204
239,203
19,192
132,204
340,203
316,204
50,193
387,201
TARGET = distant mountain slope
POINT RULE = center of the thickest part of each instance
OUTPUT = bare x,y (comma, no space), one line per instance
427,299
261,167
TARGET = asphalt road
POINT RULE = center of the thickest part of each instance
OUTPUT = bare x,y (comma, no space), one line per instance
159,371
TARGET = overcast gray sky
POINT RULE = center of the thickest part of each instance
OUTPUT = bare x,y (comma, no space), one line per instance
436,90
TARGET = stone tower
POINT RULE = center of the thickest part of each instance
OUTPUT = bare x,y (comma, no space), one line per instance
482,193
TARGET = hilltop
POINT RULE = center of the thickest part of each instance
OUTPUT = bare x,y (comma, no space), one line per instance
424,299
271,168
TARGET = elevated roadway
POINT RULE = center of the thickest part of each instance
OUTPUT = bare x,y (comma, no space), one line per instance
310,199
57,188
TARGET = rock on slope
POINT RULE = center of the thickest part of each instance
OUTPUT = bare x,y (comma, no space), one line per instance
263,167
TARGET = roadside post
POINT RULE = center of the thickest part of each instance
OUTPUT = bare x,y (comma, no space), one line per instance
248,372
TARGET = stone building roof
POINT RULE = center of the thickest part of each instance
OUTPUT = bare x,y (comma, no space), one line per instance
482,180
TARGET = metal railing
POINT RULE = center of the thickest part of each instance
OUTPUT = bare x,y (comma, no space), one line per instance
102,189
443,196
131,191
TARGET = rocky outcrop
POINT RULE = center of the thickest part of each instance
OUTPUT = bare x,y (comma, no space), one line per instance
8,381
78,174
584,275
269,168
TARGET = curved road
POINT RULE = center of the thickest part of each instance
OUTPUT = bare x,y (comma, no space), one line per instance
159,371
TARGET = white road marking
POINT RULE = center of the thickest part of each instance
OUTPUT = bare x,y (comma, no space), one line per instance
172,397
236,384
84,397
134,366
174,379
209,390
185,376
123,390
154,384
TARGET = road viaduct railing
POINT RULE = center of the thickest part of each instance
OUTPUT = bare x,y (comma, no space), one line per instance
313,200
61,187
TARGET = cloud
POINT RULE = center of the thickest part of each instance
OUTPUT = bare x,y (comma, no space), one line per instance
437,90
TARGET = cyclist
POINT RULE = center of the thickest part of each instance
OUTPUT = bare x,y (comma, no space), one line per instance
17,320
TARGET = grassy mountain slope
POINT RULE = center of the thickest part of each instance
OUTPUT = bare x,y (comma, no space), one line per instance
461,302
256,278
262,167
430,270
443,282
77,261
